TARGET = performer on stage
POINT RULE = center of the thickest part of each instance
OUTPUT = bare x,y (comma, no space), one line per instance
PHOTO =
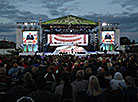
30,37
107,36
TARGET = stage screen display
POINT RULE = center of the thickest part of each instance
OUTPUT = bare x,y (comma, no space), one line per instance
108,37
67,39
30,37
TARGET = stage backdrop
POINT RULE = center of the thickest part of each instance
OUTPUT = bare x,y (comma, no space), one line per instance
67,39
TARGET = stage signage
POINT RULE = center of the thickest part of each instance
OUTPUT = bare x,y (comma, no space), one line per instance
67,39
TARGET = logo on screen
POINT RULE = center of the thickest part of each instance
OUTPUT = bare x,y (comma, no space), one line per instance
108,37
30,37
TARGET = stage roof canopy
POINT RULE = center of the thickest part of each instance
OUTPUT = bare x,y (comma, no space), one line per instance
70,19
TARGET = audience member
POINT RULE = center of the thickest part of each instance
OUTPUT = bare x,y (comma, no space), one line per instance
42,95
130,92
94,92
65,90
81,85
118,82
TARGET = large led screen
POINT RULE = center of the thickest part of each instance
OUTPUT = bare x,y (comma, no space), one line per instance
108,37
29,37
67,39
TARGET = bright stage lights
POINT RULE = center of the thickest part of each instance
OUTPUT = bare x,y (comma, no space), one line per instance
104,24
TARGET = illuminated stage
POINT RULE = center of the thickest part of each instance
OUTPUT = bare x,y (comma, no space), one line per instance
65,35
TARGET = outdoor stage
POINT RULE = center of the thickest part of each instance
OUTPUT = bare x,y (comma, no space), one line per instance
68,35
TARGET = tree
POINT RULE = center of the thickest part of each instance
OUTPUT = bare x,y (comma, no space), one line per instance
124,41
133,41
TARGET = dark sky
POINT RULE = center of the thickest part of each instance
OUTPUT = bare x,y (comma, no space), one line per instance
124,12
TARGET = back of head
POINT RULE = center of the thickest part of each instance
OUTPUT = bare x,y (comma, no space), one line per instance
80,74
101,72
50,68
27,76
34,69
15,65
40,82
67,89
25,99
2,71
118,76
94,86
65,77
129,81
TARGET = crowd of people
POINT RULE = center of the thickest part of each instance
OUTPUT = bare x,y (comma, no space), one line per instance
69,78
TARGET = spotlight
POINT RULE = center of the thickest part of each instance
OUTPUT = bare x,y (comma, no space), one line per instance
31,23
104,24
25,23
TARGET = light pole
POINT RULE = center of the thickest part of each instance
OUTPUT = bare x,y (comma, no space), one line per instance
40,35
99,33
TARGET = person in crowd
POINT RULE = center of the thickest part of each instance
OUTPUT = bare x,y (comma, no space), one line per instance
29,82
66,91
16,71
50,79
107,36
16,92
25,99
81,85
42,95
130,92
34,71
86,64
104,83
108,75
3,77
4,84
114,96
118,81
94,92
30,37
117,66
88,72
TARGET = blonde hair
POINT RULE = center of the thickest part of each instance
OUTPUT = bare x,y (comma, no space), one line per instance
15,65
34,69
94,86
2,71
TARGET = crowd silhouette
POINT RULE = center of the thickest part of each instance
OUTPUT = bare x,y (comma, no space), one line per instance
69,78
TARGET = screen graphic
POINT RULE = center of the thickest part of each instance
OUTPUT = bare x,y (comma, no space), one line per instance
29,37
108,37
67,39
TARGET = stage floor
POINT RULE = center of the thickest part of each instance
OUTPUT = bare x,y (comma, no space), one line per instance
50,53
